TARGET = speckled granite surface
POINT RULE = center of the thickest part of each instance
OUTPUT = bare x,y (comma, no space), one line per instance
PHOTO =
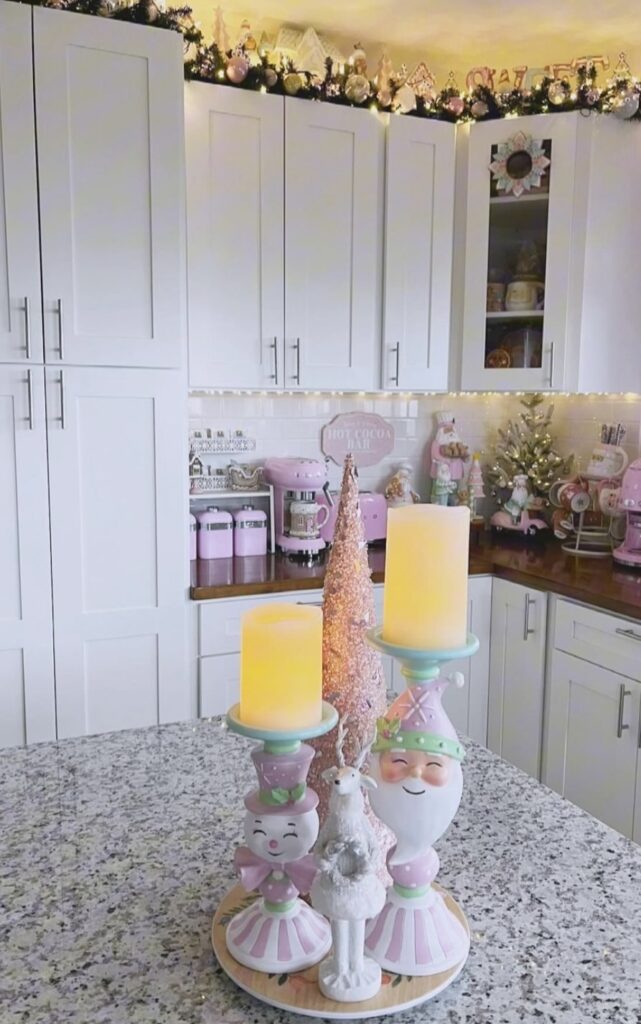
114,851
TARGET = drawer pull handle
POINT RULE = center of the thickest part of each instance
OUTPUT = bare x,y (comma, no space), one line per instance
30,399
630,633
397,349
27,328
527,630
274,346
623,693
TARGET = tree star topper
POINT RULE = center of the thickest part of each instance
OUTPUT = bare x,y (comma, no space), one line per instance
519,164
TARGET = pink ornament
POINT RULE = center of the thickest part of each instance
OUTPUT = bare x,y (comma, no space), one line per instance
236,70
270,78
479,108
456,105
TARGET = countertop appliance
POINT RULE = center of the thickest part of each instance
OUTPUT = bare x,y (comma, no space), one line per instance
629,553
298,517
373,508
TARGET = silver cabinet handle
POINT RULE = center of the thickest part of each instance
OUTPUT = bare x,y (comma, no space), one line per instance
623,693
630,633
27,327
297,374
30,398
63,421
397,349
274,376
527,631
60,329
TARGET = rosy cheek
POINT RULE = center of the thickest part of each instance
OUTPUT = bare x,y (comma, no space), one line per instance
436,775
391,772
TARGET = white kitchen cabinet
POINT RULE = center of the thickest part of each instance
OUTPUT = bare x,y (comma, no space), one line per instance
118,528
586,234
109,122
235,232
27,708
636,829
334,171
20,320
419,218
592,734
517,674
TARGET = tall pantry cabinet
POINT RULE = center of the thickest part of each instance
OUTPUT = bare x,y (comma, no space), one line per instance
91,407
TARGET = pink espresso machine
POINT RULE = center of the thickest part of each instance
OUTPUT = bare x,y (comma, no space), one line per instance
629,553
298,517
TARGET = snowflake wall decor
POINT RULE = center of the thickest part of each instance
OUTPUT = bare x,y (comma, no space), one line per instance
519,164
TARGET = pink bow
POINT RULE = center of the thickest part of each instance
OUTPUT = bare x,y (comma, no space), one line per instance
253,870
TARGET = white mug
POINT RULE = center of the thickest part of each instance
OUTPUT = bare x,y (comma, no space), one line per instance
606,462
306,519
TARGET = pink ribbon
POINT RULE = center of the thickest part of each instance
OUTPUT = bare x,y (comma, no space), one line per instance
253,870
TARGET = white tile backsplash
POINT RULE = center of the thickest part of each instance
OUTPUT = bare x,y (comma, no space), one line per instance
291,424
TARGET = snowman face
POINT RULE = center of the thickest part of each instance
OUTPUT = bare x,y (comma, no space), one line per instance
281,837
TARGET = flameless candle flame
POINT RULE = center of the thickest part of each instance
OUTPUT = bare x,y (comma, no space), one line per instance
281,667
426,569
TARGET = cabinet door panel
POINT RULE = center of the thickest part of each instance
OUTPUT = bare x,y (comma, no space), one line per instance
219,683
333,245
27,711
418,253
517,673
20,320
235,228
496,227
585,760
110,142
117,529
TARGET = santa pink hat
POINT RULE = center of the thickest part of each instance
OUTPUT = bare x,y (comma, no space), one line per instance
417,720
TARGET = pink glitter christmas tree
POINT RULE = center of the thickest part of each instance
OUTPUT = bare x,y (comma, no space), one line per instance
353,679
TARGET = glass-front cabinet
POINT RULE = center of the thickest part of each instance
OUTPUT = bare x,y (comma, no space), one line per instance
519,227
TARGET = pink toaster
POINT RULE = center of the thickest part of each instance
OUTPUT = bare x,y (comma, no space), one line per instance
373,510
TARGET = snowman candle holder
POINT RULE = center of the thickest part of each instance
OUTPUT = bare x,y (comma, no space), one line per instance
416,763
279,933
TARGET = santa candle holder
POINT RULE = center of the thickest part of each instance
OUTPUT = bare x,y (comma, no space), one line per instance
416,763
279,933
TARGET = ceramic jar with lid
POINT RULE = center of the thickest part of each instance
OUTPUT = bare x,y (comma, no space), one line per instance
250,529
193,534
215,534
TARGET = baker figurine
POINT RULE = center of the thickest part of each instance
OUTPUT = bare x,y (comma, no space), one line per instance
279,933
447,448
416,763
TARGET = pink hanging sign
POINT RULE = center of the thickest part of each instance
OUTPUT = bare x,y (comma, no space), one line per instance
365,435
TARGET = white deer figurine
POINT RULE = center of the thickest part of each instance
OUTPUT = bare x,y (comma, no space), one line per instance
347,890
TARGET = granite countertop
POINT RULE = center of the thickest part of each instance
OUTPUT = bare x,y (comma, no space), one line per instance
115,850
596,581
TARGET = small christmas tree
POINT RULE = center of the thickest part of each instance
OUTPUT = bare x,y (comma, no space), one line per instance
353,679
475,487
526,446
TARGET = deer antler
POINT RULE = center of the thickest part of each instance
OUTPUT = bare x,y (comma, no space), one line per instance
364,752
340,740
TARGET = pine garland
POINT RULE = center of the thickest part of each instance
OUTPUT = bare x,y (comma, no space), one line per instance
526,446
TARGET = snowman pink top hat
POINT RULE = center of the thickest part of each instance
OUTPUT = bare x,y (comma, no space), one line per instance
417,721
282,787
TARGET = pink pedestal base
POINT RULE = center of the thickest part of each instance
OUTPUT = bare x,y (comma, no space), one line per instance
416,935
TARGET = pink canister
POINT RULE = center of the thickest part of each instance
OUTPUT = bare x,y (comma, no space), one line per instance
193,533
215,534
250,529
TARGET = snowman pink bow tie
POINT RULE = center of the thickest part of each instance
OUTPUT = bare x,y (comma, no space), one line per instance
254,870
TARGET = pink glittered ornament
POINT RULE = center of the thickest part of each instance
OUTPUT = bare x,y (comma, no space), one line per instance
236,70
479,108
592,96
456,105
270,78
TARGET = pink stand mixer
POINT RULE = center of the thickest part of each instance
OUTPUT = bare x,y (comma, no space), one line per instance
298,517
629,553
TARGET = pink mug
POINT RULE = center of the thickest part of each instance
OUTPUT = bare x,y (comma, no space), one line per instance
574,497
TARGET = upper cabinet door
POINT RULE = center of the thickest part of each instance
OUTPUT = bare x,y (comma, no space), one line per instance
235,226
20,320
518,250
418,254
334,159
118,529
27,711
109,112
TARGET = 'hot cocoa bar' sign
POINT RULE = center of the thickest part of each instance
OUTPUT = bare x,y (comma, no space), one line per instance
365,435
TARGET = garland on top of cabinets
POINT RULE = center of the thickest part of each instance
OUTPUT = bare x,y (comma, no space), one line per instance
415,94
349,84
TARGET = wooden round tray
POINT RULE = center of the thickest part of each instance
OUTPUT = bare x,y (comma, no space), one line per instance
300,993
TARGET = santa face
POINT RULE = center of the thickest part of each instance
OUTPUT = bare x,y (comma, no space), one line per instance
417,797
281,837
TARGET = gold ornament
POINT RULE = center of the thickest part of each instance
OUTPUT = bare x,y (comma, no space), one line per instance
558,92
270,78
292,83
384,96
357,88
